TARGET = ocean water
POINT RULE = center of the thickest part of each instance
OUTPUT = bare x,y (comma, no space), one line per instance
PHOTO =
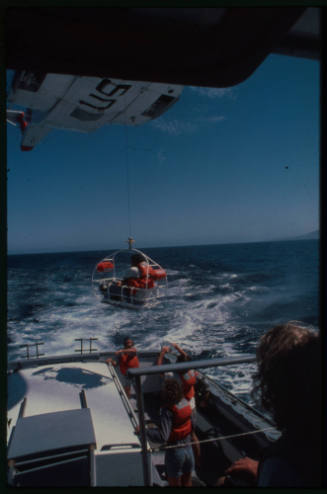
220,300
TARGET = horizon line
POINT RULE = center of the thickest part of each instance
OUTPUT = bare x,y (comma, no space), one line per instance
298,238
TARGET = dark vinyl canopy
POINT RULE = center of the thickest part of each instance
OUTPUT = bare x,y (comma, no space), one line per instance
217,47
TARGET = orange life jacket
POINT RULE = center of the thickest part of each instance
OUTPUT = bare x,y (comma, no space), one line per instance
188,380
182,425
148,275
146,282
104,266
127,362
133,283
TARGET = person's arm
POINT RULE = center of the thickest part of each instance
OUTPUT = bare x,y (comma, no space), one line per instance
126,350
179,349
161,435
111,361
245,468
164,350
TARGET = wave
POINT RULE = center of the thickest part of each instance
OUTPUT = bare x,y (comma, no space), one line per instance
218,303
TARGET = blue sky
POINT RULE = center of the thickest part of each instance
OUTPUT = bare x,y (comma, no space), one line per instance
210,170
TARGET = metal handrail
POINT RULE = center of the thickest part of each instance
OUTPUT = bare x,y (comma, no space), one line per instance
190,364
82,340
36,344
138,372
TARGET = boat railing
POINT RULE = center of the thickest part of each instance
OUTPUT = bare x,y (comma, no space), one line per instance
36,345
32,350
137,373
122,395
81,350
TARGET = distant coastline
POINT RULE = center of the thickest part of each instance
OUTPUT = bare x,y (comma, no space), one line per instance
315,235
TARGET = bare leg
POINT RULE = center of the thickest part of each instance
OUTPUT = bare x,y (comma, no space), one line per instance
174,482
187,480
196,449
127,391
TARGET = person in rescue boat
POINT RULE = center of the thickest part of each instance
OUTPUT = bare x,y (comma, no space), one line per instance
188,378
128,359
288,384
188,381
147,274
175,429
130,284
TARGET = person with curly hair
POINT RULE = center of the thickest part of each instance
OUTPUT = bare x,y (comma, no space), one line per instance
288,385
175,429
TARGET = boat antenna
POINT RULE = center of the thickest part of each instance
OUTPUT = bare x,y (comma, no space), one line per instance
130,243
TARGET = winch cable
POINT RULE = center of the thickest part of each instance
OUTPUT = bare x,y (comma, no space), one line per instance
219,438
128,185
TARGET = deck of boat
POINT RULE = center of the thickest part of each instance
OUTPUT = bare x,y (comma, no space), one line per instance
72,416
71,386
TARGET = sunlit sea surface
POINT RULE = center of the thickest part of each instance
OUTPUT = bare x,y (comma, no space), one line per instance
220,300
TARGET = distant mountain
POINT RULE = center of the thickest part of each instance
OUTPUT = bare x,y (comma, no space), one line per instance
309,236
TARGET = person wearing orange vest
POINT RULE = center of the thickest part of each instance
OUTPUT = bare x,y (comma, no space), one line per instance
130,284
187,380
175,429
127,359
147,275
